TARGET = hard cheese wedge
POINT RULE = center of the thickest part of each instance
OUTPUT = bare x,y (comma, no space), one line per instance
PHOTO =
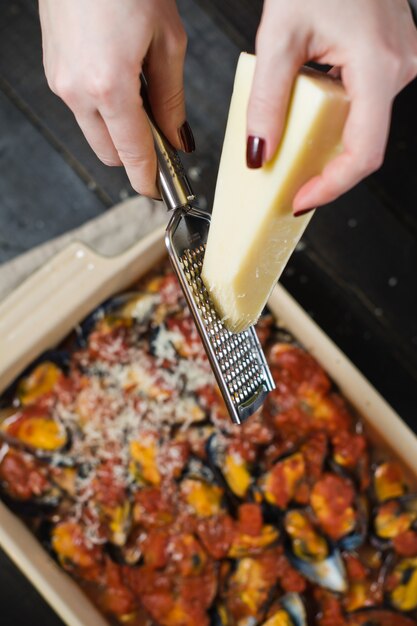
253,231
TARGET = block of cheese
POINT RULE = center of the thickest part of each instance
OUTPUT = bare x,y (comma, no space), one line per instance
253,231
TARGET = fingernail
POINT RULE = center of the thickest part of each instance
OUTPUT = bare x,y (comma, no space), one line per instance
186,137
255,150
303,211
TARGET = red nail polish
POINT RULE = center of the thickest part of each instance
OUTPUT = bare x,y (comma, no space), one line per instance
303,212
255,152
186,137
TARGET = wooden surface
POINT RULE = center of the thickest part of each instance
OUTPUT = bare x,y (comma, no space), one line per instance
355,271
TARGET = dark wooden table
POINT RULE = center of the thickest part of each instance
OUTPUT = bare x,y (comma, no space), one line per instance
355,272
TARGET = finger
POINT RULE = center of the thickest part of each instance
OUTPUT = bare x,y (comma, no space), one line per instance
165,76
278,60
335,71
97,135
364,141
129,129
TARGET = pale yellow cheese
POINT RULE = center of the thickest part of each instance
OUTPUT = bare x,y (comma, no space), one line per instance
253,231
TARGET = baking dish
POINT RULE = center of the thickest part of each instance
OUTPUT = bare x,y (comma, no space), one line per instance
45,308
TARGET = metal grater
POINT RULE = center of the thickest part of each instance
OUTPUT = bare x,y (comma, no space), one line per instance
237,359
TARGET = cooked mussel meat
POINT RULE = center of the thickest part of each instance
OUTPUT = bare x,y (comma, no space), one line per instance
280,484
251,536
199,490
74,551
341,513
34,430
229,465
393,518
389,481
312,554
143,466
251,586
40,381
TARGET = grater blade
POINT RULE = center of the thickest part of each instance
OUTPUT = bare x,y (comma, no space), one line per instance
237,359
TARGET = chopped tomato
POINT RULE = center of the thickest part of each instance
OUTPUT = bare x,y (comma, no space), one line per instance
116,597
356,570
331,498
250,519
155,547
405,544
216,534
23,476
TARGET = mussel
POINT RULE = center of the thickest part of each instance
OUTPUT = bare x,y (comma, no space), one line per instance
245,544
393,518
199,489
143,466
290,612
25,485
279,485
312,554
341,513
133,306
73,551
34,430
389,481
251,587
130,553
402,585
231,469
37,380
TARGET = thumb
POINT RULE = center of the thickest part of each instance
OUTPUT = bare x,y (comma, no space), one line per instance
277,63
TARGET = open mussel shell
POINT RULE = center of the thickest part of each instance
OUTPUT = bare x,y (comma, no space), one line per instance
279,485
25,484
291,612
36,432
200,490
132,305
392,518
312,554
230,469
402,594
37,379
379,617
43,504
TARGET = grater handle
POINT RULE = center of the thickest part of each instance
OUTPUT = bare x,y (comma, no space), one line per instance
172,180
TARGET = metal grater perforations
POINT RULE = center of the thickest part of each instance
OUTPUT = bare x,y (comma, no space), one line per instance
237,359
237,354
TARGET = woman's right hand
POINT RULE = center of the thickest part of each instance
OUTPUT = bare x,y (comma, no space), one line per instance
94,53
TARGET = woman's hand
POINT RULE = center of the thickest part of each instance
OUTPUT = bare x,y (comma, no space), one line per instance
94,52
372,44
